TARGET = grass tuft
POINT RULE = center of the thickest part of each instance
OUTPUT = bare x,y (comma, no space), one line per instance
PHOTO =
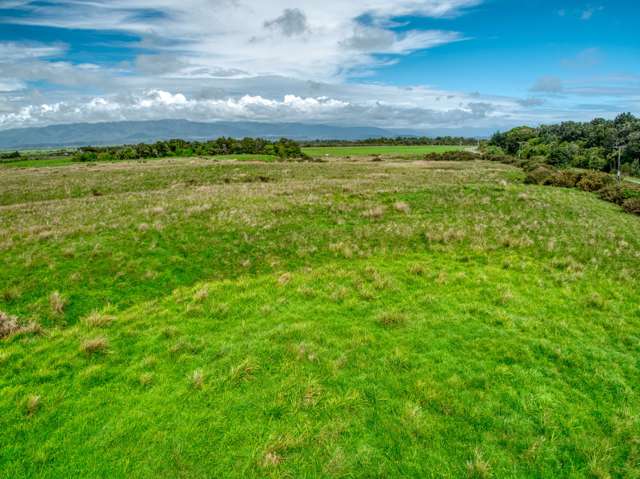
478,467
197,379
10,326
98,320
95,346
391,319
57,302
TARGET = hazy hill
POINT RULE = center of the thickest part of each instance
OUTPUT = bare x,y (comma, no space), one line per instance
123,132
115,133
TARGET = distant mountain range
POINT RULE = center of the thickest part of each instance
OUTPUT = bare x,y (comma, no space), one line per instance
128,132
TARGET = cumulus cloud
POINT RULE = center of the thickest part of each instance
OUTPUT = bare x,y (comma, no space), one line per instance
153,104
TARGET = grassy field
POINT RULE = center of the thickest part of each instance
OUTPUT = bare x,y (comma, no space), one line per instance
391,151
35,162
338,319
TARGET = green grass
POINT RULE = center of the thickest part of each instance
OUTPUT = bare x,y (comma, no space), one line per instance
391,151
37,162
339,319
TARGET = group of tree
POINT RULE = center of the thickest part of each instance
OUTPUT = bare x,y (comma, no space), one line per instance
282,148
593,145
397,141
10,155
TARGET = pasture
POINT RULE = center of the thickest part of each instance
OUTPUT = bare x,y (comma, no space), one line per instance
395,151
202,318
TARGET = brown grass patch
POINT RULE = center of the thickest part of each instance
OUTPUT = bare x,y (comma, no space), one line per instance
391,318
97,319
197,379
10,326
271,459
94,346
375,213
402,207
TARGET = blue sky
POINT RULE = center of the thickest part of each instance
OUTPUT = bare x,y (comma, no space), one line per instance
420,64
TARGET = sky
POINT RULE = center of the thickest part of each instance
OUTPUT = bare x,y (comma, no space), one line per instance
407,64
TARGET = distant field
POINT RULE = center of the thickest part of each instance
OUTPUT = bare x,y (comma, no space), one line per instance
61,161
342,151
210,319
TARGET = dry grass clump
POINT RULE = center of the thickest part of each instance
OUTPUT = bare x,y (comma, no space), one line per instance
57,302
391,318
197,379
201,294
478,467
10,326
95,345
271,459
98,320
402,207
284,279
375,213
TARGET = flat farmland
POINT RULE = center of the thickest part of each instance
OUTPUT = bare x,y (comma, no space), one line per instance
391,151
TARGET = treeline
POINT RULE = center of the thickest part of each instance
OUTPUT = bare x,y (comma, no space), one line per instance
282,148
10,155
396,141
594,145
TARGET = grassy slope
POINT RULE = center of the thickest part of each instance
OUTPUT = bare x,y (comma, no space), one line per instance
393,151
489,329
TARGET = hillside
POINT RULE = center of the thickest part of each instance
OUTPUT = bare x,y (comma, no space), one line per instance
359,318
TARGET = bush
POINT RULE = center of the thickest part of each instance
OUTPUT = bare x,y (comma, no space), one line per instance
613,194
632,205
85,156
542,175
13,155
595,181
564,179
452,156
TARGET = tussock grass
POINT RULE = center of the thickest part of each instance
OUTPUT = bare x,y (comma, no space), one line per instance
94,346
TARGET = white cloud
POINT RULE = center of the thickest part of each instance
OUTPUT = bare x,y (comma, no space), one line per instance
305,39
15,52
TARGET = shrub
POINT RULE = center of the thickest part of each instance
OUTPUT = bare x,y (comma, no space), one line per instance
85,156
613,194
564,179
594,181
452,156
542,175
632,205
